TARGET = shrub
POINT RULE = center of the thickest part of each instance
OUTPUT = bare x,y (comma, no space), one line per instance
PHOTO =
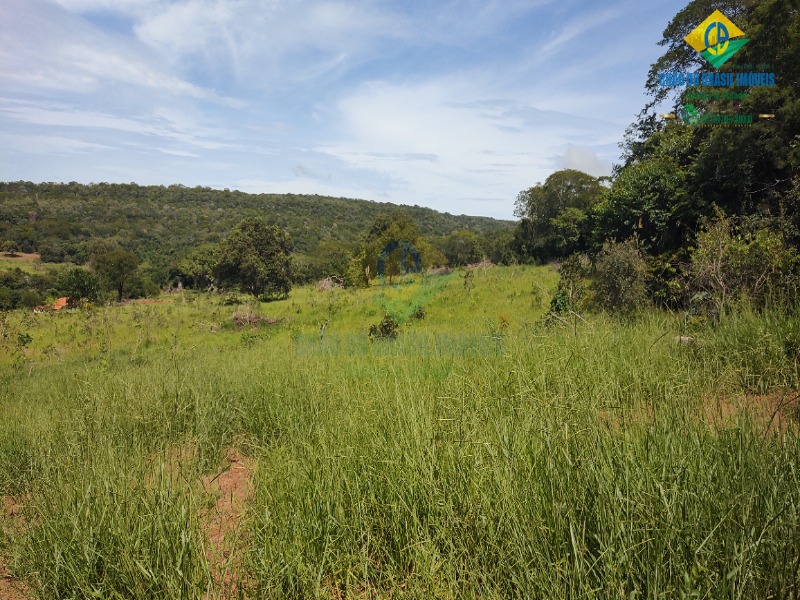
419,312
571,289
79,283
356,275
731,263
386,329
620,277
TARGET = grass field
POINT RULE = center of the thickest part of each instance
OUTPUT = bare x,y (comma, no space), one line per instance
190,449
27,262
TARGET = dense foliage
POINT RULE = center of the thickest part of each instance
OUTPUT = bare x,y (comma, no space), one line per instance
256,258
162,225
731,193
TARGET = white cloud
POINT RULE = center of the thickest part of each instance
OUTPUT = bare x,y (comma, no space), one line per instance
451,104
120,6
584,159
51,49
49,144
485,150
160,125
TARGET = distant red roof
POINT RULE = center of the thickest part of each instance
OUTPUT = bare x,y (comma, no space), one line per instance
60,303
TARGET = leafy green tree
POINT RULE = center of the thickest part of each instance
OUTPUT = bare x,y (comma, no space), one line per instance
116,268
462,248
553,210
196,269
497,246
256,258
7,299
331,257
646,200
744,171
388,241
10,248
78,284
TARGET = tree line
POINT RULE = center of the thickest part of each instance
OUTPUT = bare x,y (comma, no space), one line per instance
692,214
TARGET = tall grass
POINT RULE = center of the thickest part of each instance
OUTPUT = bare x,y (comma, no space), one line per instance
577,461
574,466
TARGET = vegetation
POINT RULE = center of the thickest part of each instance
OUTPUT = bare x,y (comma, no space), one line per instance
677,181
423,465
622,422
162,225
255,258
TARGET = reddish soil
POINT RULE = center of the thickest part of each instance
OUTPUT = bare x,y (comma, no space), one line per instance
20,256
232,489
11,588
777,412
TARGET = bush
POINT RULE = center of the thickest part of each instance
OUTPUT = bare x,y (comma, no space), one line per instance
571,289
29,299
386,329
80,283
731,263
356,275
620,277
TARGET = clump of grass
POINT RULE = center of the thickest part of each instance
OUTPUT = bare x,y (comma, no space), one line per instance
114,530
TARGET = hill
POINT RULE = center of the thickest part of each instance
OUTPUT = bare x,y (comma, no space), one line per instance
161,223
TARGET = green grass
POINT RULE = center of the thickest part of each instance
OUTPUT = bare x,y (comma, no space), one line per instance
573,462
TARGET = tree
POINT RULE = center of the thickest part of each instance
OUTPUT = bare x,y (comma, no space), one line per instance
256,258
462,248
744,171
554,214
115,268
10,248
647,200
621,277
78,284
196,269
390,245
497,246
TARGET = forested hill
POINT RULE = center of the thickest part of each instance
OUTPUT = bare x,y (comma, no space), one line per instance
161,223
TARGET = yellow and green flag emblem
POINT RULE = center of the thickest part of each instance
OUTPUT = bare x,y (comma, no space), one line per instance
717,39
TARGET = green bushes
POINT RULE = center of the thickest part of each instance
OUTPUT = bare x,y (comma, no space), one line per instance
620,276
387,329
731,263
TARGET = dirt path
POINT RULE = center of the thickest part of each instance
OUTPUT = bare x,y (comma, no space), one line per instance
11,588
232,488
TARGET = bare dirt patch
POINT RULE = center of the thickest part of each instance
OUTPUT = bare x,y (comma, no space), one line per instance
10,587
231,489
19,256
777,412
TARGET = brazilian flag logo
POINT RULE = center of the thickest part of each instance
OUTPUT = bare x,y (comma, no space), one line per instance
717,39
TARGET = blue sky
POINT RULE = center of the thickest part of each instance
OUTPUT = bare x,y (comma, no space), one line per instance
456,105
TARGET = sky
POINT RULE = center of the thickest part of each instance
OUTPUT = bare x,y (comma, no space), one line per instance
452,104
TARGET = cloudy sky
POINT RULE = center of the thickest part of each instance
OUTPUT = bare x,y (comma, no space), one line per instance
452,104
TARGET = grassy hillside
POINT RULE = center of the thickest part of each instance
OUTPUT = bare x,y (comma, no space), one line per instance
184,447
161,223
